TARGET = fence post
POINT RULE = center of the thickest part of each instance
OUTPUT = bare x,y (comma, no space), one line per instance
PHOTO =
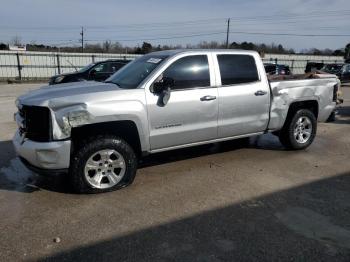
19,67
292,65
276,61
58,64
93,58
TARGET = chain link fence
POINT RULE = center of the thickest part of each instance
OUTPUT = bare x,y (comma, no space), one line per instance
298,66
42,65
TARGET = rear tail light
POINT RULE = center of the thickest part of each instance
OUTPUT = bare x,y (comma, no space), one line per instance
335,93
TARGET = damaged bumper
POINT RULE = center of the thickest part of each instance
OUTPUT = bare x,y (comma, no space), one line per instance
49,156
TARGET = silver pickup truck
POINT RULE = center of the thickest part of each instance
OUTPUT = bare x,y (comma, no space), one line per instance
163,101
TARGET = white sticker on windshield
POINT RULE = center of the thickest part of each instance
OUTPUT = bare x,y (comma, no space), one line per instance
154,60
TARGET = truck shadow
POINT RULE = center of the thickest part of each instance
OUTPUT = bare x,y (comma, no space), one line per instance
15,176
265,142
308,222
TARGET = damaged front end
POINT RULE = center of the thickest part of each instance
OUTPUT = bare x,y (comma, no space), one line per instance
67,118
45,124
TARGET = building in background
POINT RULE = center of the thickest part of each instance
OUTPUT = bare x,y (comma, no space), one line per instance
18,47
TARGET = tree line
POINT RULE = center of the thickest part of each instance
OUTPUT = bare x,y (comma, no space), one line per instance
109,47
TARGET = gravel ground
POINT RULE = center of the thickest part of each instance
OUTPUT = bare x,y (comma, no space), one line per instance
232,201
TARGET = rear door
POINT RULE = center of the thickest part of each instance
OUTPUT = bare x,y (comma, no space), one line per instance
244,95
115,66
191,113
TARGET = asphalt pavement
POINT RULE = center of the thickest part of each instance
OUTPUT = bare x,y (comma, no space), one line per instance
232,201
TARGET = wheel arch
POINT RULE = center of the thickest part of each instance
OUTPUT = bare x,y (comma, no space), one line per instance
125,129
311,105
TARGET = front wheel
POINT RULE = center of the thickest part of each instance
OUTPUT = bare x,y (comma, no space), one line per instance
103,163
299,131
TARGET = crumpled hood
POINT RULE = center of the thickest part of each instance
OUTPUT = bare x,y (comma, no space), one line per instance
42,96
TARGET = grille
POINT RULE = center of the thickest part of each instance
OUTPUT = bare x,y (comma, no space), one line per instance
37,123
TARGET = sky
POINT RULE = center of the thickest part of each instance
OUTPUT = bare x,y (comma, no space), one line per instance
297,24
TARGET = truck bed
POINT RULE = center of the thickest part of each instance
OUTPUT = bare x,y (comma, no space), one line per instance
286,90
313,75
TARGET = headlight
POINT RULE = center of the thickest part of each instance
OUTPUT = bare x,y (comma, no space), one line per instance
59,79
77,118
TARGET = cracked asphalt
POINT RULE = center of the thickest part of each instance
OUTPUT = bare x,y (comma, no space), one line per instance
233,201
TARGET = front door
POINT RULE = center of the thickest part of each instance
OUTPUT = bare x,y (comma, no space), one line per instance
190,115
100,72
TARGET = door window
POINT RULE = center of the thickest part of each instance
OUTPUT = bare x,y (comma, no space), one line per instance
189,72
237,69
102,68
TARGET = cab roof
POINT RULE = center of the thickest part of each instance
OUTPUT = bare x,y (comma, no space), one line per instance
180,51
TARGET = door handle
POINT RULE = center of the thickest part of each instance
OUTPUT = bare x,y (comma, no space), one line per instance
208,98
260,93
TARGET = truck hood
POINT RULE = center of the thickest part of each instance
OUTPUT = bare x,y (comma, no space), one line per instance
66,74
42,96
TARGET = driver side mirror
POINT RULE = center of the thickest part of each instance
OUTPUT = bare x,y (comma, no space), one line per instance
164,84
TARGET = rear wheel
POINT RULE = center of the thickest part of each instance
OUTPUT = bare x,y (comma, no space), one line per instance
101,164
299,131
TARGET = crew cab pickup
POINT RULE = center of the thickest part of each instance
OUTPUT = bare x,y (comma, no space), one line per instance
162,101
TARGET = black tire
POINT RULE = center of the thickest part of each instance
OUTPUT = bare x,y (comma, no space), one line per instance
90,147
286,135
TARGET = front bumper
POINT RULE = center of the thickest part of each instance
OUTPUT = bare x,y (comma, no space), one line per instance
45,156
42,171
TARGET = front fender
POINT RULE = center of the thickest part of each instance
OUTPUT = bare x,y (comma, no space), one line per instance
102,112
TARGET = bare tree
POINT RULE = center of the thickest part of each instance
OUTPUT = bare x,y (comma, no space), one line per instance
16,40
117,48
107,46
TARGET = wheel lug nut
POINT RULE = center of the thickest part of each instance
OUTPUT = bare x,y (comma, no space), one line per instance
110,165
100,164
98,170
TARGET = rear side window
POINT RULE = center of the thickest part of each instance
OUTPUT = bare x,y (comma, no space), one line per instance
237,69
189,72
115,66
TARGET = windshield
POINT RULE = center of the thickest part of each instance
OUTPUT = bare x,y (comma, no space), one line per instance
131,75
332,68
86,67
